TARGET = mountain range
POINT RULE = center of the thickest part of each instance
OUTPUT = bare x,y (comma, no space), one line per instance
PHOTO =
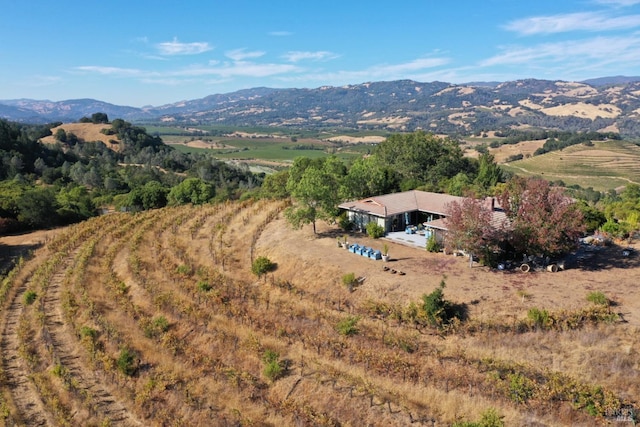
609,104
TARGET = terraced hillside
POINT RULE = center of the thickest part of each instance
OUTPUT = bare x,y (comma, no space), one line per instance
605,165
156,319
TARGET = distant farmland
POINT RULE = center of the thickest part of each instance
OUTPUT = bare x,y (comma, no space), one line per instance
605,165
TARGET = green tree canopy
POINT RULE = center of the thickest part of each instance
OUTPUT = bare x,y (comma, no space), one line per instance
368,177
36,207
151,195
422,158
314,186
623,214
489,174
191,190
74,204
274,186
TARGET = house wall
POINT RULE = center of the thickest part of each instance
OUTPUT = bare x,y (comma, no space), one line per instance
395,222
361,219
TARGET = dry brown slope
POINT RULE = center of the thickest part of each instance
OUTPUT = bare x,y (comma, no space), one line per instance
89,132
191,267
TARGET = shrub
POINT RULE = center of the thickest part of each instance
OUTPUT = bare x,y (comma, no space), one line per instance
374,230
344,222
597,297
127,362
29,297
438,311
204,286
122,288
156,327
348,326
261,266
88,332
59,370
273,367
514,158
349,281
161,323
434,305
183,270
540,319
489,418
432,244
521,388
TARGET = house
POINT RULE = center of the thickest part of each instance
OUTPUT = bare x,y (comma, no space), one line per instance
408,211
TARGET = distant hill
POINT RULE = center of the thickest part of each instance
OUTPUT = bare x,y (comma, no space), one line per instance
603,104
65,111
614,80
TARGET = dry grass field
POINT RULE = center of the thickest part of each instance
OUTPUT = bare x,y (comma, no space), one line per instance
89,132
156,319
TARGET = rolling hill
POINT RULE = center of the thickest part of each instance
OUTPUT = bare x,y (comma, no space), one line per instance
608,103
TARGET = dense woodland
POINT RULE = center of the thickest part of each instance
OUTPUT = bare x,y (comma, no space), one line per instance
48,185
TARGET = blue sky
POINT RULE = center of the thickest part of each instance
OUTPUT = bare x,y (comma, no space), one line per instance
140,52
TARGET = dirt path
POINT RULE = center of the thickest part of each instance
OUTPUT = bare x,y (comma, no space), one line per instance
16,374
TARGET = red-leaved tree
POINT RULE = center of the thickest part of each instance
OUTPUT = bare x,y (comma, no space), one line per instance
469,225
542,219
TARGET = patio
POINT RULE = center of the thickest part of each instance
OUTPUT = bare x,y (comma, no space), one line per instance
414,240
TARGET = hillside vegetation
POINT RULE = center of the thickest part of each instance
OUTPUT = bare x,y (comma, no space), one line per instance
604,165
156,318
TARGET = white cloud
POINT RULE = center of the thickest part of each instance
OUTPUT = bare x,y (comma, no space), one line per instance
241,54
165,81
238,69
112,71
584,21
415,65
604,50
622,3
407,70
295,56
280,33
177,48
